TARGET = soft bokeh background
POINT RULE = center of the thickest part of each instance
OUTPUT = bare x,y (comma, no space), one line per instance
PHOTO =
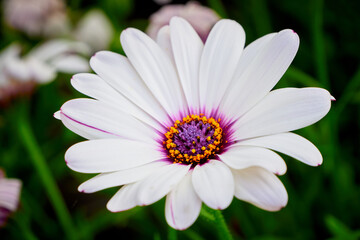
323,201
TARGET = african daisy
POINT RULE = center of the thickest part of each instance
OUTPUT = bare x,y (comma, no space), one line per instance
192,122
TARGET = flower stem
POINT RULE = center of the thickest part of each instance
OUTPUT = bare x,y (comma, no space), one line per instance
27,137
300,77
263,23
319,43
24,228
351,88
221,226
217,218
218,6
172,234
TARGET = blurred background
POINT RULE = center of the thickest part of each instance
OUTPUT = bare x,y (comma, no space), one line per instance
44,42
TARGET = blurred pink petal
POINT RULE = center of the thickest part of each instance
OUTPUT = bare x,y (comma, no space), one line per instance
9,196
37,17
201,18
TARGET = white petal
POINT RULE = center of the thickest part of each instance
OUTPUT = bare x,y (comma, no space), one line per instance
290,144
219,59
108,155
240,157
214,184
250,54
156,70
70,64
102,117
118,72
283,110
260,68
57,115
160,183
124,199
40,71
94,86
182,205
54,48
84,130
260,188
112,179
163,40
10,52
187,47
18,69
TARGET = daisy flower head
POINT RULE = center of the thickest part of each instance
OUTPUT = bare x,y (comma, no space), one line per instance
194,122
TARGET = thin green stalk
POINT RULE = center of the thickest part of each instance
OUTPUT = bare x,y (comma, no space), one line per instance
172,234
330,130
349,92
217,218
193,235
218,6
221,226
261,17
300,77
75,4
206,215
319,43
25,228
28,139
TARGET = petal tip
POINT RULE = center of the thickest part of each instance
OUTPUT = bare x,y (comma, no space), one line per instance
110,208
57,115
332,98
176,18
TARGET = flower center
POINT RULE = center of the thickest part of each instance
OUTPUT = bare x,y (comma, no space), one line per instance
193,140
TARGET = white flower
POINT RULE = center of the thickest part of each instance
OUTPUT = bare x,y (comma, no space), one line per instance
19,74
37,17
9,196
192,122
98,39
201,18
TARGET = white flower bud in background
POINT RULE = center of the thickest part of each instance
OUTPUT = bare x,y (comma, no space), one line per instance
99,39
